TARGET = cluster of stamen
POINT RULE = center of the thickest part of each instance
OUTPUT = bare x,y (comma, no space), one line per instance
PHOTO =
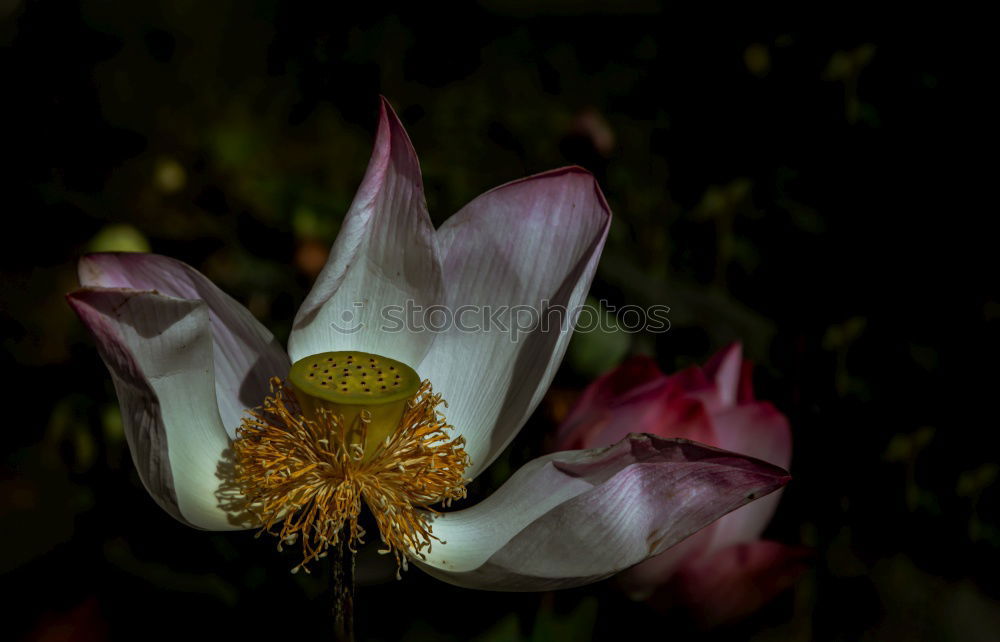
304,475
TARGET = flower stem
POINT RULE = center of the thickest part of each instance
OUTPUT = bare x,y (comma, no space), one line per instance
343,592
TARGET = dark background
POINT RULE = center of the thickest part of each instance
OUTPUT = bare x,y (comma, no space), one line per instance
801,185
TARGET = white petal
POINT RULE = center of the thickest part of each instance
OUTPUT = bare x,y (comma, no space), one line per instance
531,243
159,352
578,516
245,354
385,256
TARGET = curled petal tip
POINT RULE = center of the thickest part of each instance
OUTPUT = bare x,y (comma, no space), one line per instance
564,172
621,504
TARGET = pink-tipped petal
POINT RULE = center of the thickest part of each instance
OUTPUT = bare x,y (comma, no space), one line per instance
662,415
245,354
638,410
732,583
385,259
724,370
635,372
595,400
530,245
757,429
159,352
575,517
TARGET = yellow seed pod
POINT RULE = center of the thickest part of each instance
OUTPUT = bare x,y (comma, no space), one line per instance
347,383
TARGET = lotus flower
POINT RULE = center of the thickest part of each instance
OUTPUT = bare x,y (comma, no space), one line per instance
725,570
216,411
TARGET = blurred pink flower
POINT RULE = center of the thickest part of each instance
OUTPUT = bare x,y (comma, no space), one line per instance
725,571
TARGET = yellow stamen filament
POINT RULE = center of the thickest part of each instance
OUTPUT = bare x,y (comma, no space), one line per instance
305,477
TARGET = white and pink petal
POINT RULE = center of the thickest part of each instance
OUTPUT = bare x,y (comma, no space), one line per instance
575,517
245,353
159,352
528,248
385,259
